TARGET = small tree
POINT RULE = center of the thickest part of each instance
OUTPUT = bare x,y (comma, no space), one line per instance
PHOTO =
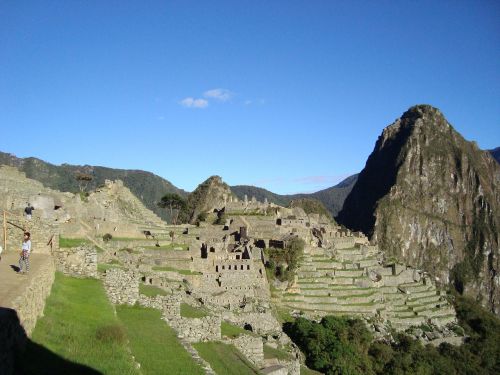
171,235
221,218
173,202
107,237
83,180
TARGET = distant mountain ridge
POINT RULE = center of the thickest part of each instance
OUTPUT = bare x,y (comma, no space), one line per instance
146,186
332,198
149,188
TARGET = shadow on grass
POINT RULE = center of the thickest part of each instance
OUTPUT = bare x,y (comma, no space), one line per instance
21,356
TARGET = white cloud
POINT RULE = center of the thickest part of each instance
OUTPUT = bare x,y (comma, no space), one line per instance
190,102
221,95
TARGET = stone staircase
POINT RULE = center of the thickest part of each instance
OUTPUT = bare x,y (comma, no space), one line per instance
354,282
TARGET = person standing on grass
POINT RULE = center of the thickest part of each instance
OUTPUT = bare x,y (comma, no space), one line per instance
25,254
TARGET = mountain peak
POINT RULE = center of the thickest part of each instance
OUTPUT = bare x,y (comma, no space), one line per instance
431,199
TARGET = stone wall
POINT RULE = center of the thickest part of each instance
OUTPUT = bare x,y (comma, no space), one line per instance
170,305
196,329
30,304
262,323
78,261
122,287
251,347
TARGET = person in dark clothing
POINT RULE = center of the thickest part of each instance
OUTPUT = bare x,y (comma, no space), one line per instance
28,211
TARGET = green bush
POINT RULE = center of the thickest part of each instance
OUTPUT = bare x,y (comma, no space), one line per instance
284,262
107,237
221,218
202,216
339,345
111,333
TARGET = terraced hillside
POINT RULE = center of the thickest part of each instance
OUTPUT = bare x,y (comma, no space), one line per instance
355,282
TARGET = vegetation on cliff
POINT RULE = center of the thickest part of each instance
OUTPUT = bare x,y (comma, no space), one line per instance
339,345
282,263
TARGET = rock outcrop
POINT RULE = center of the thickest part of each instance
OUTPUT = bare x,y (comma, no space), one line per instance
432,200
210,195
311,206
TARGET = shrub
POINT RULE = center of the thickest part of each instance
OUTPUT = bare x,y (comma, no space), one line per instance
284,262
111,333
107,237
221,218
202,216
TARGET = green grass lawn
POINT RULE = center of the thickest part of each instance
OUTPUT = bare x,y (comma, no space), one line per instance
270,352
129,250
170,246
78,325
231,330
132,239
152,291
182,272
188,311
224,359
283,315
154,344
71,242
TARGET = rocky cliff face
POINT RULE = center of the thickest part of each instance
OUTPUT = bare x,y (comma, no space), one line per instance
432,199
210,195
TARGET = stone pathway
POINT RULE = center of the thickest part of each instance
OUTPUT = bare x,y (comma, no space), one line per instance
12,284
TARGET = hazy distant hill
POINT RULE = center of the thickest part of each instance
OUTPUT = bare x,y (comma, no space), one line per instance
332,198
148,187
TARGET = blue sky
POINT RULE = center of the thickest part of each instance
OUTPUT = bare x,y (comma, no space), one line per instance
287,95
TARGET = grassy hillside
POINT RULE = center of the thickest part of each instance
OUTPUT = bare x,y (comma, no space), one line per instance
80,326
225,359
148,187
80,333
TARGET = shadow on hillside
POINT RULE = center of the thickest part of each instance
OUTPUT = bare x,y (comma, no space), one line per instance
19,355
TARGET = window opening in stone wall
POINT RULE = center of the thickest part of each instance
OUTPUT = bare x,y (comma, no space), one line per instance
248,327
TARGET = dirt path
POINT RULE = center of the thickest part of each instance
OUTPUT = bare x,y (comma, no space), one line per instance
13,284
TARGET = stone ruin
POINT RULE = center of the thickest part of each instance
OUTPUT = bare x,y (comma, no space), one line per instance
221,269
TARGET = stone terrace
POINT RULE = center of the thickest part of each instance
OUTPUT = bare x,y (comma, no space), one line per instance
353,282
